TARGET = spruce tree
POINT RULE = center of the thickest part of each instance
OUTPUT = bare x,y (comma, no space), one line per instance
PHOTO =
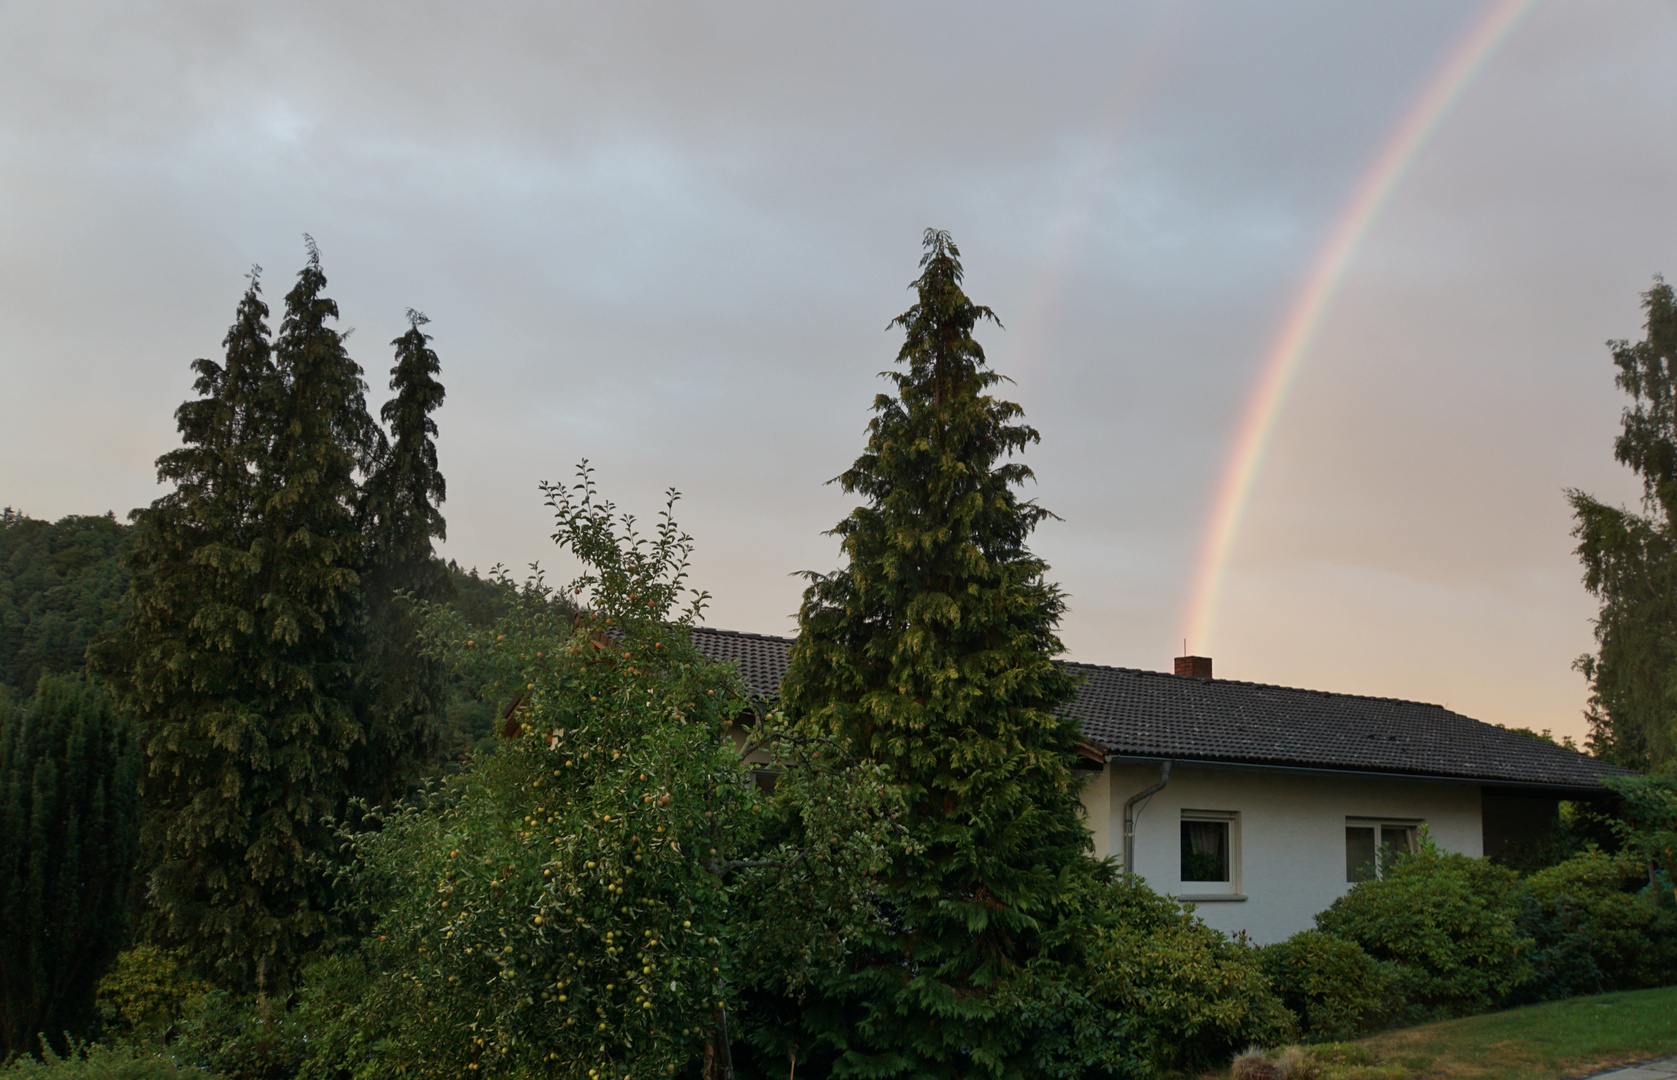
932,653
1630,559
401,688
69,812
237,657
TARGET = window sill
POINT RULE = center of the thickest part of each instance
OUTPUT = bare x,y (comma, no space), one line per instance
1209,898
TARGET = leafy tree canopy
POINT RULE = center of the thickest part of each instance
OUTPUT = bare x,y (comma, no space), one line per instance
590,899
1630,559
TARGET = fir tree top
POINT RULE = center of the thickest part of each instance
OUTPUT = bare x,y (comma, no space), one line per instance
404,492
941,585
222,442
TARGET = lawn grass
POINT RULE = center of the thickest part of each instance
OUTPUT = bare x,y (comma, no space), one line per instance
1552,1041
1539,1042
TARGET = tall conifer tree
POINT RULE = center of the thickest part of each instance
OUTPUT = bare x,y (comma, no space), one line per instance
185,658
69,813
238,652
401,688
932,653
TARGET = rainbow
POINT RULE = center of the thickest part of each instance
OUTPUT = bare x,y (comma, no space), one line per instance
1304,316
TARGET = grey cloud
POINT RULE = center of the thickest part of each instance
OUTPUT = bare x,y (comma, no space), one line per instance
668,237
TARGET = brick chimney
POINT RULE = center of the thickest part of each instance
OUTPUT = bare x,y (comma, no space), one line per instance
1195,667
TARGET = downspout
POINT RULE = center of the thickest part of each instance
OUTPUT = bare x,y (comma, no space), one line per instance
1129,815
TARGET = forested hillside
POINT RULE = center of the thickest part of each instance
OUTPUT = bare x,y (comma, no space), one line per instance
61,588
61,584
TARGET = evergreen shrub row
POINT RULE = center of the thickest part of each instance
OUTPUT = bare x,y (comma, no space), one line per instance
1442,934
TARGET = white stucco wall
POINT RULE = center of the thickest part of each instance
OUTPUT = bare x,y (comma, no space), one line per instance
1289,847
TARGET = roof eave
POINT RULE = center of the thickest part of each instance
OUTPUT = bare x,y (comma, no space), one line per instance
1596,789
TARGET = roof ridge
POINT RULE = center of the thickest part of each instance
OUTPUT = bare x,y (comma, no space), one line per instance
1272,686
744,634
1159,674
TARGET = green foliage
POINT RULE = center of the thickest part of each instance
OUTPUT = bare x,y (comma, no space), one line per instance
1646,827
1335,988
1452,921
400,689
589,898
1596,928
469,709
324,1030
237,656
1190,995
60,588
482,600
1630,559
931,653
119,1061
145,991
69,813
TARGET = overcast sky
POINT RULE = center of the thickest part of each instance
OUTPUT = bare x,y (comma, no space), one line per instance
668,237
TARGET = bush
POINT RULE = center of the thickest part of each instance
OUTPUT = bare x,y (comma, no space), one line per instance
1453,921
1335,988
240,1038
325,1031
145,991
1192,995
102,1062
1596,928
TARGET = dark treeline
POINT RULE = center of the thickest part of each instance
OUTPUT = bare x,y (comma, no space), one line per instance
61,589
61,585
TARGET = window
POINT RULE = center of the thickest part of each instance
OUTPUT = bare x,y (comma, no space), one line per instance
1368,844
1211,854
1205,850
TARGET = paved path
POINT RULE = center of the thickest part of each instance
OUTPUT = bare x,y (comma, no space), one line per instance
1648,1070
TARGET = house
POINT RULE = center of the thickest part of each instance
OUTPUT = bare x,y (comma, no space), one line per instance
1263,804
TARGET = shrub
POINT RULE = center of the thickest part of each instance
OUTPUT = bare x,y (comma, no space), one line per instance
240,1038
1646,828
325,1031
1453,921
144,991
1335,988
101,1062
1192,995
1596,928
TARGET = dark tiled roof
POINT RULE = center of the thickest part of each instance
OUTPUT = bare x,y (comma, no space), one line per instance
1155,715
761,659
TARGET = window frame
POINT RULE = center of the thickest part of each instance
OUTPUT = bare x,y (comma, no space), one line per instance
1212,890
1380,824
